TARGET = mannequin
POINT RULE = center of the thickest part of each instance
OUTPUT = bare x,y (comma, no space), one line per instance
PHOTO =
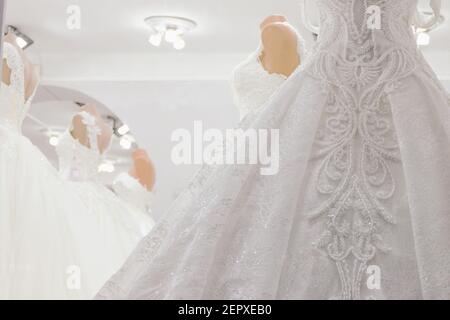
79,131
143,169
31,76
260,76
279,40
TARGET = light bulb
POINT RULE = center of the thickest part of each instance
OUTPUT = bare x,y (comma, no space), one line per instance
53,141
123,130
21,42
125,143
171,35
156,39
179,43
423,39
106,167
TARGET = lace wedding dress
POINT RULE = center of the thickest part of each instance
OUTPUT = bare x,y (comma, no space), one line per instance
360,208
119,224
253,86
130,190
45,252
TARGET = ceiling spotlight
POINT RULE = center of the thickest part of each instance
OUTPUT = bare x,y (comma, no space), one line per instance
179,43
22,40
126,143
423,32
107,167
53,141
171,35
171,29
156,39
123,130
53,136
423,39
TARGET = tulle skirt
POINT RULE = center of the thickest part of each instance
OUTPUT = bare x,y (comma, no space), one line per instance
58,240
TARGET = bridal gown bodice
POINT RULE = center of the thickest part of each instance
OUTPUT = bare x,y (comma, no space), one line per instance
14,105
80,164
360,207
76,161
252,85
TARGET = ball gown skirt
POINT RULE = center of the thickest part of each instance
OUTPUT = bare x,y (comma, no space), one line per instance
237,234
363,189
45,230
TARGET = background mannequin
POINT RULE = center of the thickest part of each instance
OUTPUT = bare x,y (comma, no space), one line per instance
143,169
279,40
80,133
257,78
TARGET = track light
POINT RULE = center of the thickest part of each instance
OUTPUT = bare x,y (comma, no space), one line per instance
171,29
123,130
107,166
53,141
179,43
156,39
22,40
126,142
423,39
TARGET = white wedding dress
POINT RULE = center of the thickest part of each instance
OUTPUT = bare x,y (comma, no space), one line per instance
130,190
252,85
119,224
46,248
363,191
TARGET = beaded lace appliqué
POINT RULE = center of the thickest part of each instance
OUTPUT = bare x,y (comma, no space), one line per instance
357,143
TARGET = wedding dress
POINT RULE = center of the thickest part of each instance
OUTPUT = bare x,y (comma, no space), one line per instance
44,251
120,225
130,190
252,85
360,208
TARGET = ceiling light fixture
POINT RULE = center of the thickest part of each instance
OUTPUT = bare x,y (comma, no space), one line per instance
53,141
107,166
123,130
22,40
423,39
171,29
126,142
423,34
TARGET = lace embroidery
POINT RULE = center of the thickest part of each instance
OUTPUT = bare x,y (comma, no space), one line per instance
357,141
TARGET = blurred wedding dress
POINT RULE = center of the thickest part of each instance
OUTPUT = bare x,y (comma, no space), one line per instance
360,208
46,247
120,224
130,190
253,86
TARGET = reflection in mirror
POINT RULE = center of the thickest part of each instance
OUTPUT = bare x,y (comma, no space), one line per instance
52,114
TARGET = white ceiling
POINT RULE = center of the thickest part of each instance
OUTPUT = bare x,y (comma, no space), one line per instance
112,43
118,25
